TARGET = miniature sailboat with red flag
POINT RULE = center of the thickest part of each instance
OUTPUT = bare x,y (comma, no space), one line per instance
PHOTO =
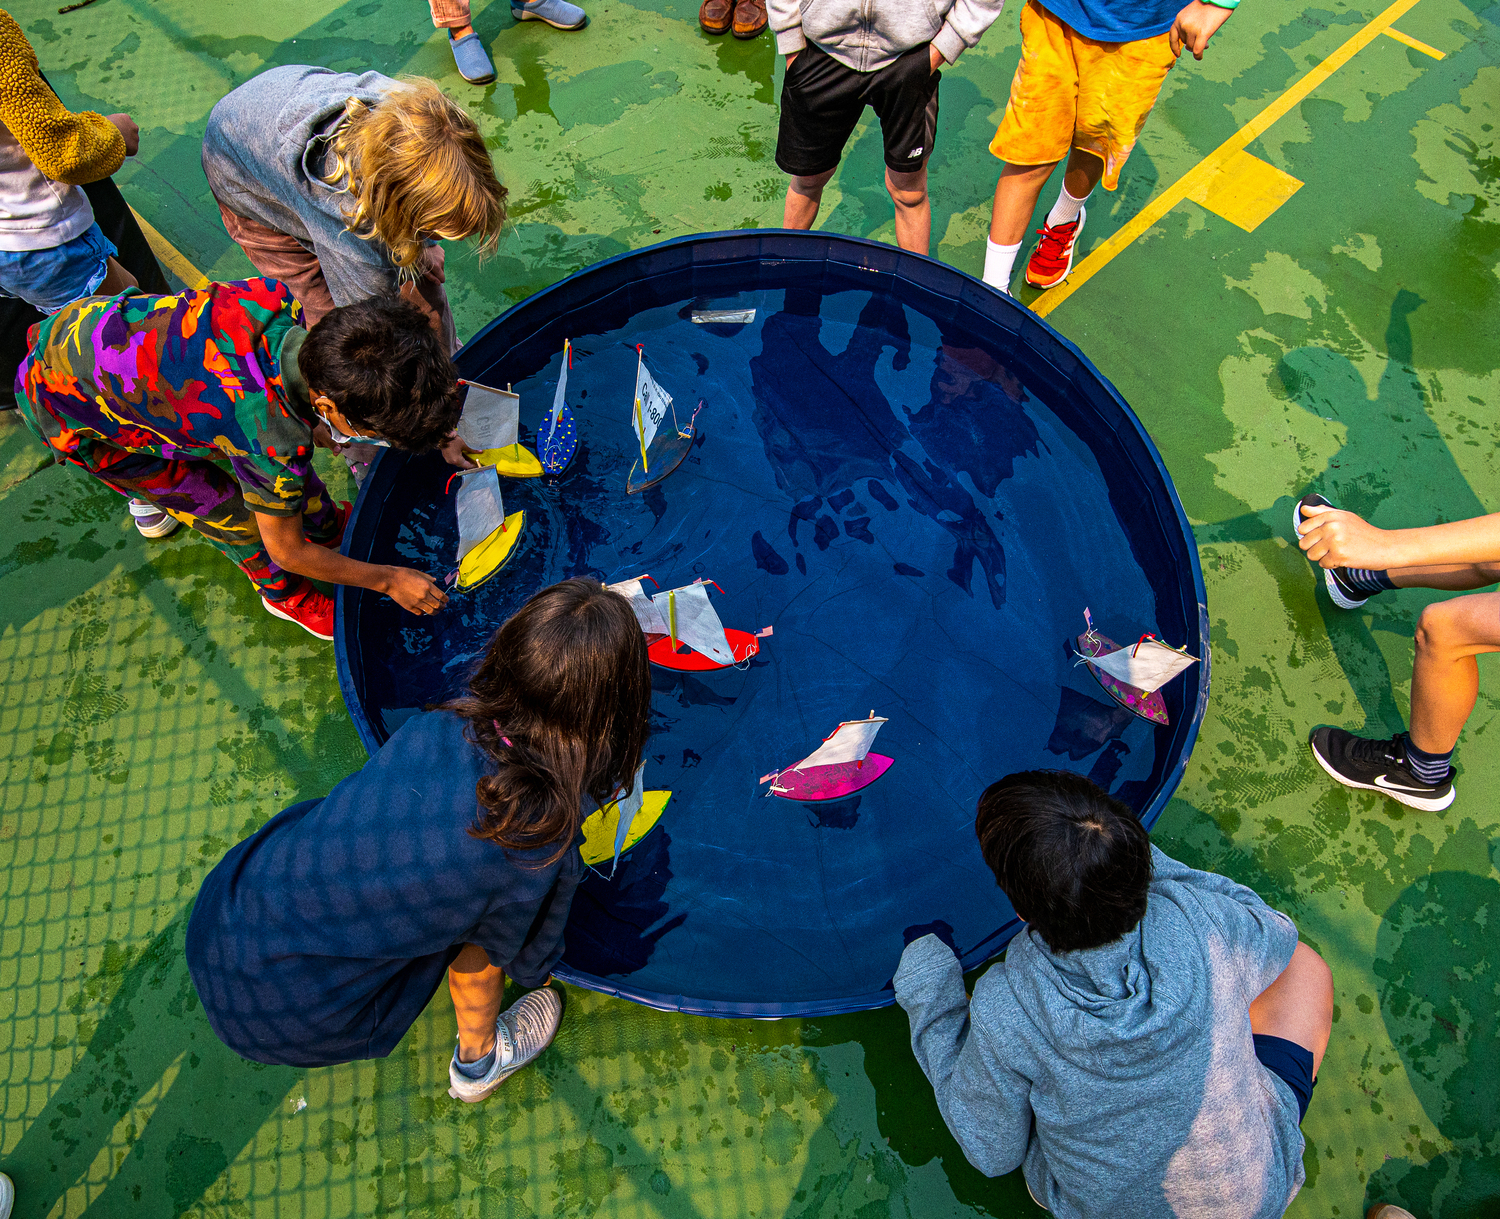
682,630
839,767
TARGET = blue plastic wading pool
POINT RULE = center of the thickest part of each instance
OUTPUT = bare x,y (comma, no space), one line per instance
920,486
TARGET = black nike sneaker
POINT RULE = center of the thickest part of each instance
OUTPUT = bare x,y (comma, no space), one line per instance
1378,766
1340,591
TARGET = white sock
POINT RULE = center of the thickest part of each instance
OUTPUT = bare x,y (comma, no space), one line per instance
1066,209
999,262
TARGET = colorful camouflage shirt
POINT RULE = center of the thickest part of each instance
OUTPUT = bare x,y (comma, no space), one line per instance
196,376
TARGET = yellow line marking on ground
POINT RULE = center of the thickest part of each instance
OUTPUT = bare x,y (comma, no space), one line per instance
1246,191
1197,178
1414,44
170,254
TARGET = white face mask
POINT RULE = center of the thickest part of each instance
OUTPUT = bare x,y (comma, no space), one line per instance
340,438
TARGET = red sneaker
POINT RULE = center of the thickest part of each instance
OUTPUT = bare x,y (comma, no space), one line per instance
1052,259
308,608
345,510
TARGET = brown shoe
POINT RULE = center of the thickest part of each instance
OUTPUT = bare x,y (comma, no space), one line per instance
749,18
715,17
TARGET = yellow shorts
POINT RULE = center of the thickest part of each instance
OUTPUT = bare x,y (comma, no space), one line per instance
1072,92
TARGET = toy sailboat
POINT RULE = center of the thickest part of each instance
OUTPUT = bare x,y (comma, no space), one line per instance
662,449
1133,676
559,440
486,536
690,621
839,767
490,425
610,831
653,625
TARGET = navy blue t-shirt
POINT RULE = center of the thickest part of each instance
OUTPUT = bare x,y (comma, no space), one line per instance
320,938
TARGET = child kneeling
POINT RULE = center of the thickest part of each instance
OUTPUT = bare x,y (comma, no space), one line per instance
1149,1044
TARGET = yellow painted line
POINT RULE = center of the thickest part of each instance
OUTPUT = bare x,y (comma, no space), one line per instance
170,254
1414,44
1197,178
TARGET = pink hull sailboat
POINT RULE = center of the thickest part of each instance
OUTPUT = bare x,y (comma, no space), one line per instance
839,767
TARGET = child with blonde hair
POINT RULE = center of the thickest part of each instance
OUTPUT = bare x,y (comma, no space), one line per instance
340,186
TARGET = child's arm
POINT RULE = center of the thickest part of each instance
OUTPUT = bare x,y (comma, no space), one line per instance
1196,24
785,20
985,1105
414,591
1338,538
67,147
964,26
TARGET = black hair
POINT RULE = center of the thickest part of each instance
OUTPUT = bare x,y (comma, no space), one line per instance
1074,861
387,371
562,703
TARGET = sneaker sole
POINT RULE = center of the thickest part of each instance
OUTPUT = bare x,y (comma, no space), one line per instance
165,529
1334,593
1434,805
524,16
276,613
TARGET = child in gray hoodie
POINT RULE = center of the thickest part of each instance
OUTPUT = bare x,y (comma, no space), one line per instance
1149,1045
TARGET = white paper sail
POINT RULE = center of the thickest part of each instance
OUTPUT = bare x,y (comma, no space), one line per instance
849,742
491,418
646,613
692,620
629,805
559,399
1147,666
481,511
652,403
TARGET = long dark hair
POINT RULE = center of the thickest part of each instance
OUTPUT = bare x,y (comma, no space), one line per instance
561,703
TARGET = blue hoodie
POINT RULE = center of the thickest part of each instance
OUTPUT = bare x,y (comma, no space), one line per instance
1123,1079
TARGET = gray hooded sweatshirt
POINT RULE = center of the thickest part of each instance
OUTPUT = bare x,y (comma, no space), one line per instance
265,154
866,35
1122,1079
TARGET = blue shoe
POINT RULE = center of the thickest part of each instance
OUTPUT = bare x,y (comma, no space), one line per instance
559,14
473,62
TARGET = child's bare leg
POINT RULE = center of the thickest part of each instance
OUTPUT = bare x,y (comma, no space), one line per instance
1083,173
1015,199
1298,1006
478,990
1445,674
913,208
116,280
803,196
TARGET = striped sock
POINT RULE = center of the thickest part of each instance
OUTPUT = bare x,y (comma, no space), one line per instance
1367,581
1429,767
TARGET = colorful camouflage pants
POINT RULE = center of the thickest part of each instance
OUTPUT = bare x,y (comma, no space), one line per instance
204,496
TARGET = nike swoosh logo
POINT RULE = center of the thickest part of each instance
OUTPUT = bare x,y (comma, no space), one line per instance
1397,787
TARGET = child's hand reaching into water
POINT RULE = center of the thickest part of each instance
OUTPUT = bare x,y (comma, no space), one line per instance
456,453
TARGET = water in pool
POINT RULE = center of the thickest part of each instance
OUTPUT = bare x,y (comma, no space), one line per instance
923,534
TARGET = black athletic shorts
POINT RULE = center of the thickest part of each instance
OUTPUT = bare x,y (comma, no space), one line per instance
1294,1063
821,101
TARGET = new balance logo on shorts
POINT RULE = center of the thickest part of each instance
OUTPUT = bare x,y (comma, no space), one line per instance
915,152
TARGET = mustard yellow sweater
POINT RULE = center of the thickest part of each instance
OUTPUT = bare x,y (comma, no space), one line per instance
66,147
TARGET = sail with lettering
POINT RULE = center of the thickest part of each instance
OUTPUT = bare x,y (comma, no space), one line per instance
663,444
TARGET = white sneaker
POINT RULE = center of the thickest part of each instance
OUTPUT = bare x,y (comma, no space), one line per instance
151,521
523,1031
7,1196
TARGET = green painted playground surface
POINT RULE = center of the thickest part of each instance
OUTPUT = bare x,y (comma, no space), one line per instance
152,714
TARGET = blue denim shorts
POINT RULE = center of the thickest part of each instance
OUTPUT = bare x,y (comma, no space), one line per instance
49,279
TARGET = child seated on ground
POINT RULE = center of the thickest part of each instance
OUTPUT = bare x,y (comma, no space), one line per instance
204,408
1150,1042
1360,560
